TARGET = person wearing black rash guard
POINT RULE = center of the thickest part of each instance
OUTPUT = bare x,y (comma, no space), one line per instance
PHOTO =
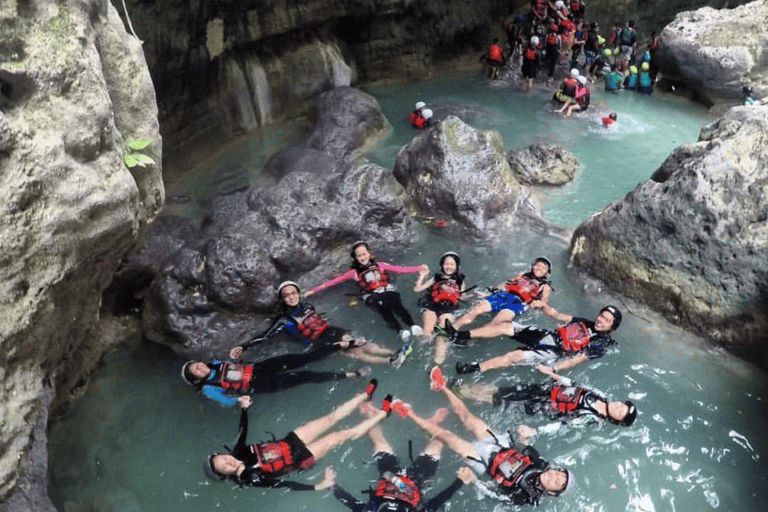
224,381
397,490
263,464
561,400
301,319
576,341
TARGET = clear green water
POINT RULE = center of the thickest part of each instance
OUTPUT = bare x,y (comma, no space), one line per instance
136,441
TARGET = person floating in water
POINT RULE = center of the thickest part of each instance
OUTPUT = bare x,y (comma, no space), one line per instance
574,342
420,117
521,474
509,299
399,490
301,319
561,400
609,119
263,464
224,381
442,300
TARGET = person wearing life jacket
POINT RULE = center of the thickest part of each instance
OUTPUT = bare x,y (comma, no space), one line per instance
444,291
520,474
560,400
609,119
653,47
225,381
576,341
263,464
551,50
567,88
538,11
531,62
644,82
301,320
420,119
591,47
514,31
415,115
580,101
399,490
613,79
630,81
376,290
558,11
494,57
627,42
578,9
510,298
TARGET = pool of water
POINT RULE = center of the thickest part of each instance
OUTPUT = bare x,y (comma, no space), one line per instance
137,439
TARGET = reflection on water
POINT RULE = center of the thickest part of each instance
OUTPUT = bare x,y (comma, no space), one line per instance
136,441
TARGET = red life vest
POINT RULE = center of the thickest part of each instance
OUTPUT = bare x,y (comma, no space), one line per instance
508,466
418,121
569,86
494,53
234,376
524,287
574,335
654,44
575,6
530,53
540,8
446,291
552,39
312,324
564,402
273,456
372,277
388,490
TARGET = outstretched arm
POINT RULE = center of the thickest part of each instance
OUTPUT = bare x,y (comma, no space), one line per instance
463,476
550,311
346,276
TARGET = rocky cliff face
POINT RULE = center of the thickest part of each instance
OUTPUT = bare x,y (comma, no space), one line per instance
691,241
74,89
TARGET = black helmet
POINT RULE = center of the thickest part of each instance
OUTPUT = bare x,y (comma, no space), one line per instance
545,260
628,418
208,468
747,89
452,255
614,311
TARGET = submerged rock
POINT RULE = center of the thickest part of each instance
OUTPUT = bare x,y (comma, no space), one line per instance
716,52
691,242
543,164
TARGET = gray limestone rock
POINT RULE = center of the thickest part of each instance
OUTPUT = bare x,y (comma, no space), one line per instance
691,242
543,164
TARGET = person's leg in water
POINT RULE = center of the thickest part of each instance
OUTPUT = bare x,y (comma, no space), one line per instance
285,380
479,308
291,361
367,352
317,427
393,301
378,301
477,427
455,443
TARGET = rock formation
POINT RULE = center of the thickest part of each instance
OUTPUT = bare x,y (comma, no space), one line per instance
715,53
691,241
75,90
543,164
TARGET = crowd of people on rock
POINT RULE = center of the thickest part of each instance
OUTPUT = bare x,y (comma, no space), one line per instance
518,472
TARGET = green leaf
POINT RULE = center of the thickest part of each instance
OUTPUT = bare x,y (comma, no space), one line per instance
138,144
130,160
144,159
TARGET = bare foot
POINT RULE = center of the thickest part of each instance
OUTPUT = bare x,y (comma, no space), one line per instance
439,415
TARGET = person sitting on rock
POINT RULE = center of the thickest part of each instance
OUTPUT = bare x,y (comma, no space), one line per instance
576,341
224,381
521,474
263,464
570,404
301,319
399,490
509,299
567,88
580,100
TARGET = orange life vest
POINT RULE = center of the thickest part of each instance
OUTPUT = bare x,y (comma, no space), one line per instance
508,466
524,287
371,278
235,376
273,456
564,402
446,291
574,335
312,324
389,490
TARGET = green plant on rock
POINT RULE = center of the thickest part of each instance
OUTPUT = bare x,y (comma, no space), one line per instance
133,156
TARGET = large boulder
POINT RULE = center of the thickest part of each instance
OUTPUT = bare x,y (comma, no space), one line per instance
74,89
691,242
715,52
543,164
312,201
457,172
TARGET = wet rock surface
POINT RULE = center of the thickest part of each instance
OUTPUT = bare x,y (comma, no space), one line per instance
543,164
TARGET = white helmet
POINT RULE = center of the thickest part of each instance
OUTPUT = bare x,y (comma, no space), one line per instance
583,80
426,113
420,105
535,41
574,73
559,4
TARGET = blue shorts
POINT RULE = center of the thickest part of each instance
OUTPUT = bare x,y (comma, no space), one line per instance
502,299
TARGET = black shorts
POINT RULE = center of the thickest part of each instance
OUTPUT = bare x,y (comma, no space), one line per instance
422,469
301,457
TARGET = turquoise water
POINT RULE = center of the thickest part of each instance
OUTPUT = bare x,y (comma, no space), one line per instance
136,441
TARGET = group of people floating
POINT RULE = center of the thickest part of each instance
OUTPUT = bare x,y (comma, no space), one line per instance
519,473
